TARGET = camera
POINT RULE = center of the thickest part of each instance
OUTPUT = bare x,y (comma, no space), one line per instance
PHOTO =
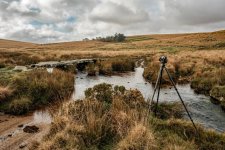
163,59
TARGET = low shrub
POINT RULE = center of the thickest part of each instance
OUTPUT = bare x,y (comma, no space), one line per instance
20,106
123,65
43,87
91,69
40,88
93,124
67,68
205,81
105,68
202,85
151,73
101,92
5,93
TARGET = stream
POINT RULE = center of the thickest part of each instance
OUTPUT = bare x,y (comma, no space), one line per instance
202,110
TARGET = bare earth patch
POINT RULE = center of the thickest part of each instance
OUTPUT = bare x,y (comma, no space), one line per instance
12,135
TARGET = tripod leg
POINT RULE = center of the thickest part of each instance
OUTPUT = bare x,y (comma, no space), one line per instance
180,98
159,87
156,85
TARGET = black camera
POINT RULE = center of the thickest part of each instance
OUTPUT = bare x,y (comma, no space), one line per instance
163,59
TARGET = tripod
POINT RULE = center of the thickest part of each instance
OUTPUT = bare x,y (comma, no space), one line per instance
163,60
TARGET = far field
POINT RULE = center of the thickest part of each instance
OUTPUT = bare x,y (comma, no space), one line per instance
200,46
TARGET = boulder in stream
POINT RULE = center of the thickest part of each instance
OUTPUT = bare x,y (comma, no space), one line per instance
218,94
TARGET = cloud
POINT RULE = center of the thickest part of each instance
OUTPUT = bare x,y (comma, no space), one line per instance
110,12
62,20
196,12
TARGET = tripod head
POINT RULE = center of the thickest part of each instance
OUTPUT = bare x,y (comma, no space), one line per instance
163,60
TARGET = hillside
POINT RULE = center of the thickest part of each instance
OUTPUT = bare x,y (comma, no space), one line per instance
143,45
14,44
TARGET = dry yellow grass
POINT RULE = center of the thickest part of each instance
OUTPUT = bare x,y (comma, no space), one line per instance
5,92
187,45
96,124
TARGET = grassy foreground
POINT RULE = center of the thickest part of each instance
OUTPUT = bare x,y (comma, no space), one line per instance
113,118
26,91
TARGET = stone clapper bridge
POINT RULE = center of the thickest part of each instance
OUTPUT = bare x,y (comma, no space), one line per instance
80,64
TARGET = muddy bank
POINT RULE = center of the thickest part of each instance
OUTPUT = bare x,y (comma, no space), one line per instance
12,135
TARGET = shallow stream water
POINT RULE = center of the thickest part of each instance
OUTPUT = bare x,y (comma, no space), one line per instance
200,106
202,110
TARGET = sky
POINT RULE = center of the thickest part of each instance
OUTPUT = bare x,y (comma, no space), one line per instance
44,21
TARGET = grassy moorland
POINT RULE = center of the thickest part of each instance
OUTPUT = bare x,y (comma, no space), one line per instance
197,58
113,118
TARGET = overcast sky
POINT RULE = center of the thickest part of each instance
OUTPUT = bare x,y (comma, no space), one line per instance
44,21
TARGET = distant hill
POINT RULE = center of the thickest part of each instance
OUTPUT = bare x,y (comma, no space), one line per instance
14,44
154,39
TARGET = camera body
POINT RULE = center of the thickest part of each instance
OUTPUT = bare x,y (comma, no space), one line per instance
163,59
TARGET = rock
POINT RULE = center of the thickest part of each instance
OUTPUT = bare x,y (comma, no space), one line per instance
22,145
20,68
20,126
218,93
9,135
30,129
